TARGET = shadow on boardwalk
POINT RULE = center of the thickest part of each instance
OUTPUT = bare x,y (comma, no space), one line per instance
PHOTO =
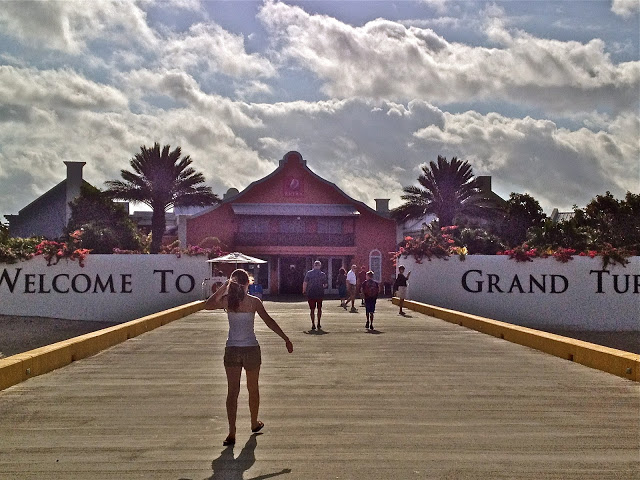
229,467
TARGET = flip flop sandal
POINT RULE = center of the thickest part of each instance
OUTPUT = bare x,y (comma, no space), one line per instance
258,428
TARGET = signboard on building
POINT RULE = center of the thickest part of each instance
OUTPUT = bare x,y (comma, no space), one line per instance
293,187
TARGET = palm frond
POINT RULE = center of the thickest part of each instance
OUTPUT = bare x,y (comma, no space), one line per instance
161,178
446,188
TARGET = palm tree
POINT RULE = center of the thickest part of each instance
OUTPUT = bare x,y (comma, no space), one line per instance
447,189
161,179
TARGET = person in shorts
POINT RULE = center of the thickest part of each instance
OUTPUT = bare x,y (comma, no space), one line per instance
242,349
400,287
341,283
352,281
315,281
370,289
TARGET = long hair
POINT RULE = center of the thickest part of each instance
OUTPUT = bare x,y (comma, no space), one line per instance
239,278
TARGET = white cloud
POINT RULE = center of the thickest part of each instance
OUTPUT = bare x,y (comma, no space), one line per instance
194,5
388,83
273,147
439,6
370,149
559,166
385,59
185,90
253,88
216,50
68,25
51,116
625,8
448,23
56,89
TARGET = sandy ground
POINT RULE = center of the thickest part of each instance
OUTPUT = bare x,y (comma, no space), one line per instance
19,334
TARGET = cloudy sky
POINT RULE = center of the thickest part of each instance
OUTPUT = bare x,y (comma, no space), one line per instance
541,95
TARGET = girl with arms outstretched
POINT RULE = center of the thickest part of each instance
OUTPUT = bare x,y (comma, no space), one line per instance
242,349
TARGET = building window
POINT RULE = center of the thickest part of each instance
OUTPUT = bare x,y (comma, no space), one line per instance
375,264
253,225
292,225
329,225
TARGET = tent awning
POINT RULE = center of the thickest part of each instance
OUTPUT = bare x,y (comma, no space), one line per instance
236,257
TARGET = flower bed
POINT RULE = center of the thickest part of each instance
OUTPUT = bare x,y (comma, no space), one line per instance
444,244
18,249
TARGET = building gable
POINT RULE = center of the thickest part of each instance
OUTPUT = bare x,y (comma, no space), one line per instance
292,182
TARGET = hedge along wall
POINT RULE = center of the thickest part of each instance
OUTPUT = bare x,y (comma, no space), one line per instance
115,288
542,293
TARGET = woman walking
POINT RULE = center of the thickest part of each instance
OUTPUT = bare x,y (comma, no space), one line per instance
242,349
341,282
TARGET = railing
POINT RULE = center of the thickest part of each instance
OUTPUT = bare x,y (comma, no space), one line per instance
296,239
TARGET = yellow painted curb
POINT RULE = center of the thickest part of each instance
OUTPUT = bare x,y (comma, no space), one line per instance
20,367
610,360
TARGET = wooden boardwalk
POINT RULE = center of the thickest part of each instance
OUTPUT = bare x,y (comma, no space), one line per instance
418,398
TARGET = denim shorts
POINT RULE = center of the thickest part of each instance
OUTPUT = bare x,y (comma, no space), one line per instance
247,357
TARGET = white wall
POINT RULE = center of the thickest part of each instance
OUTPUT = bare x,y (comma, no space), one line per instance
576,302
130,286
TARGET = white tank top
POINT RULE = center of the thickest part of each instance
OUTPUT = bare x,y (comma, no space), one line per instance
241,332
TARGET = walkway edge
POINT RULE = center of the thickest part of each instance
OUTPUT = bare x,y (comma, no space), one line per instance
610,360
22,366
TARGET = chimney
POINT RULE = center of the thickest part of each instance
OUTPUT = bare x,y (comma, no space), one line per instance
73,184
382,205
484,183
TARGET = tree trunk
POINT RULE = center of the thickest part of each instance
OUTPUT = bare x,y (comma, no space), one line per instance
158,225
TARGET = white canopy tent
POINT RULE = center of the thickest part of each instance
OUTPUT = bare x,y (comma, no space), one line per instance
236,258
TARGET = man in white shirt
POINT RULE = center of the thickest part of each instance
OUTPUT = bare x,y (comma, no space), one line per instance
352,280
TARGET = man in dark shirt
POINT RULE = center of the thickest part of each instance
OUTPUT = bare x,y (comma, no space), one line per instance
315,281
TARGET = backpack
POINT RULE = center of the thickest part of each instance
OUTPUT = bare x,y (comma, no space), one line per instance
370,289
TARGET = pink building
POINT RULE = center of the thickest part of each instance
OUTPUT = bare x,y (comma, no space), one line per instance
291,218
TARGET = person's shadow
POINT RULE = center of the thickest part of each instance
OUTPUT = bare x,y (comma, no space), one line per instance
315,332
227,467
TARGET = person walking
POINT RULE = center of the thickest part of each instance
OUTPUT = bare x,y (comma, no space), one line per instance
352,281
341,283
370,291
242,349
315,281
362,277
400,286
